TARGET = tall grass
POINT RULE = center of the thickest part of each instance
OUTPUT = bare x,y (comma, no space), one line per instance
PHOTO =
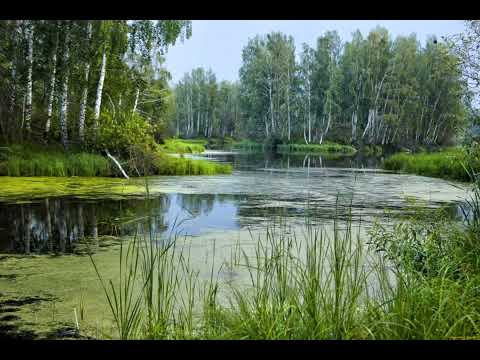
412,281
51,162
448,163
315,148
180,146
169,165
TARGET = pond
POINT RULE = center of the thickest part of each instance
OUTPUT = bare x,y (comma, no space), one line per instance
44,238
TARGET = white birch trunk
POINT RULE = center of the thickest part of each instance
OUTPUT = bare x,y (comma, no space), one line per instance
52,89
83,101
28,105
64,95
117,164
98,98
137,95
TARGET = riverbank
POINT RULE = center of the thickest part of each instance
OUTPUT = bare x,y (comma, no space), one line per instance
425,289
37,160
450,163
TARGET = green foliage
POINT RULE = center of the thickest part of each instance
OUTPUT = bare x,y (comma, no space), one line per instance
25,161
180,146
316,148
118,134
145,161
168,165
450,163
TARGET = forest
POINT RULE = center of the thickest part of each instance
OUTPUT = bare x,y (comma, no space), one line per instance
370,90
97,84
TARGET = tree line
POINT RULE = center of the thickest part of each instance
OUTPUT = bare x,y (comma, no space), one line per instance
70,81
370,90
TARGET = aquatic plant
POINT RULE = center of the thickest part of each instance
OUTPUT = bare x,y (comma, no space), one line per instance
452,163
315,148
180,146
36,161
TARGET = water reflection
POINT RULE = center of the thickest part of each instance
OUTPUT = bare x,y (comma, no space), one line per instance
67,225
250,161
264,187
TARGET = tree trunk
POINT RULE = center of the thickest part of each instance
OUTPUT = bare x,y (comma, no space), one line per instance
137,95
52,88
83,101
117,164
98,98
64,95
28,105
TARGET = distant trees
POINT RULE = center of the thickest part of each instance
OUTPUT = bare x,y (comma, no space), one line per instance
371,90
205,108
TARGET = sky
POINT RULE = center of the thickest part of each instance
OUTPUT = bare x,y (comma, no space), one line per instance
218,44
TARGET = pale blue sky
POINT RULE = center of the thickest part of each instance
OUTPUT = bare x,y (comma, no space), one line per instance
217,44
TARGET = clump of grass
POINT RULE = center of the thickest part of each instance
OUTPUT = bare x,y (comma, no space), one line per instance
24,161
156,162
169,165
449,163
315,148
180,146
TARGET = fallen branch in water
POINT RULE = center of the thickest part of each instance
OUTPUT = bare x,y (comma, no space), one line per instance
117,163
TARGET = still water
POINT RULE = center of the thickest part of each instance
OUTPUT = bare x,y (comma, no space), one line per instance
262,187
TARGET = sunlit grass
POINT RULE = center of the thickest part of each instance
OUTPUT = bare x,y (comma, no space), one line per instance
315,148
180,146
449,163
37,161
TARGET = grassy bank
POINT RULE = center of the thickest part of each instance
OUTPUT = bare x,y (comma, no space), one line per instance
164,164
50,161
418,279
449,163
35,160
315,148
180,146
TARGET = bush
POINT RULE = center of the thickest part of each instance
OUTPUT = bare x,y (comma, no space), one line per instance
119,134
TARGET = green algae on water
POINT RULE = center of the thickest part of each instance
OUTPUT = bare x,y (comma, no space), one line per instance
29,188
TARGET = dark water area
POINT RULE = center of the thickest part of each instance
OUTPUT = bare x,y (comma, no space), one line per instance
249,161
68,224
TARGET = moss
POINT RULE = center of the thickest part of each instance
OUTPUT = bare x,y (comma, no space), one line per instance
64,285
38,187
